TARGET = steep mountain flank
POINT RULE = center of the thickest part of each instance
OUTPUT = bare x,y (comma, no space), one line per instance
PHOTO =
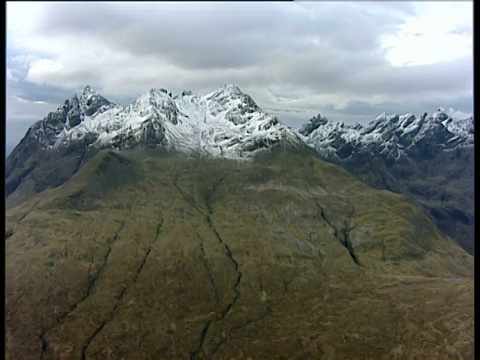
143,254
226,123
430,159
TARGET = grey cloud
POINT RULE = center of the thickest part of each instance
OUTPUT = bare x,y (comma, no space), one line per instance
221,35
44,93
281,39
339,76
196,36
451,77
423,80
364,112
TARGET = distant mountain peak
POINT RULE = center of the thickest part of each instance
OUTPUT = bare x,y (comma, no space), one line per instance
88,90
186,93
312,124
232,88
427,157
159,91
392,134
225,123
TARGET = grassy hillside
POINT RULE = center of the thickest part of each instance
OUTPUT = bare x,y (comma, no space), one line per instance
147,256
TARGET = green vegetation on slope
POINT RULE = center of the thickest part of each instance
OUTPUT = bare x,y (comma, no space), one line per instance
152,256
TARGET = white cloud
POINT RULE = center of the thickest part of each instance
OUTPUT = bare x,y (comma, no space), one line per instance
439,32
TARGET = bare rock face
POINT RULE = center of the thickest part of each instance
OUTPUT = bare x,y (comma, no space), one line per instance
427,158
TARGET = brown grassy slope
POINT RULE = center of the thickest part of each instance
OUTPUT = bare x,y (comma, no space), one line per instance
156,257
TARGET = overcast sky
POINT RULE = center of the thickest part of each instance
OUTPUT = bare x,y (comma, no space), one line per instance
349,61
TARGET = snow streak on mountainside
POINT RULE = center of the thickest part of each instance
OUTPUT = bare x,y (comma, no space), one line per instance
226,123
394,135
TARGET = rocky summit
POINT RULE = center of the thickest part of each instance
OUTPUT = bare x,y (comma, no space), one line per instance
428,158
226,123
188,226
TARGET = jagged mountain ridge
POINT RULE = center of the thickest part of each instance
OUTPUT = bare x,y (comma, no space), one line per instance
395,135
429,158
402,153
225,123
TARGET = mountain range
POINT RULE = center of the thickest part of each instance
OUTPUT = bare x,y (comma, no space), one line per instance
428,158
198,226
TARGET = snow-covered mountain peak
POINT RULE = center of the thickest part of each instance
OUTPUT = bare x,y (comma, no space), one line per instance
89,95
395,135
440,115
319,125
162,92
156,98
92,102
184,93
462,127
231,89
312,124
88,91
229,94
225,123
